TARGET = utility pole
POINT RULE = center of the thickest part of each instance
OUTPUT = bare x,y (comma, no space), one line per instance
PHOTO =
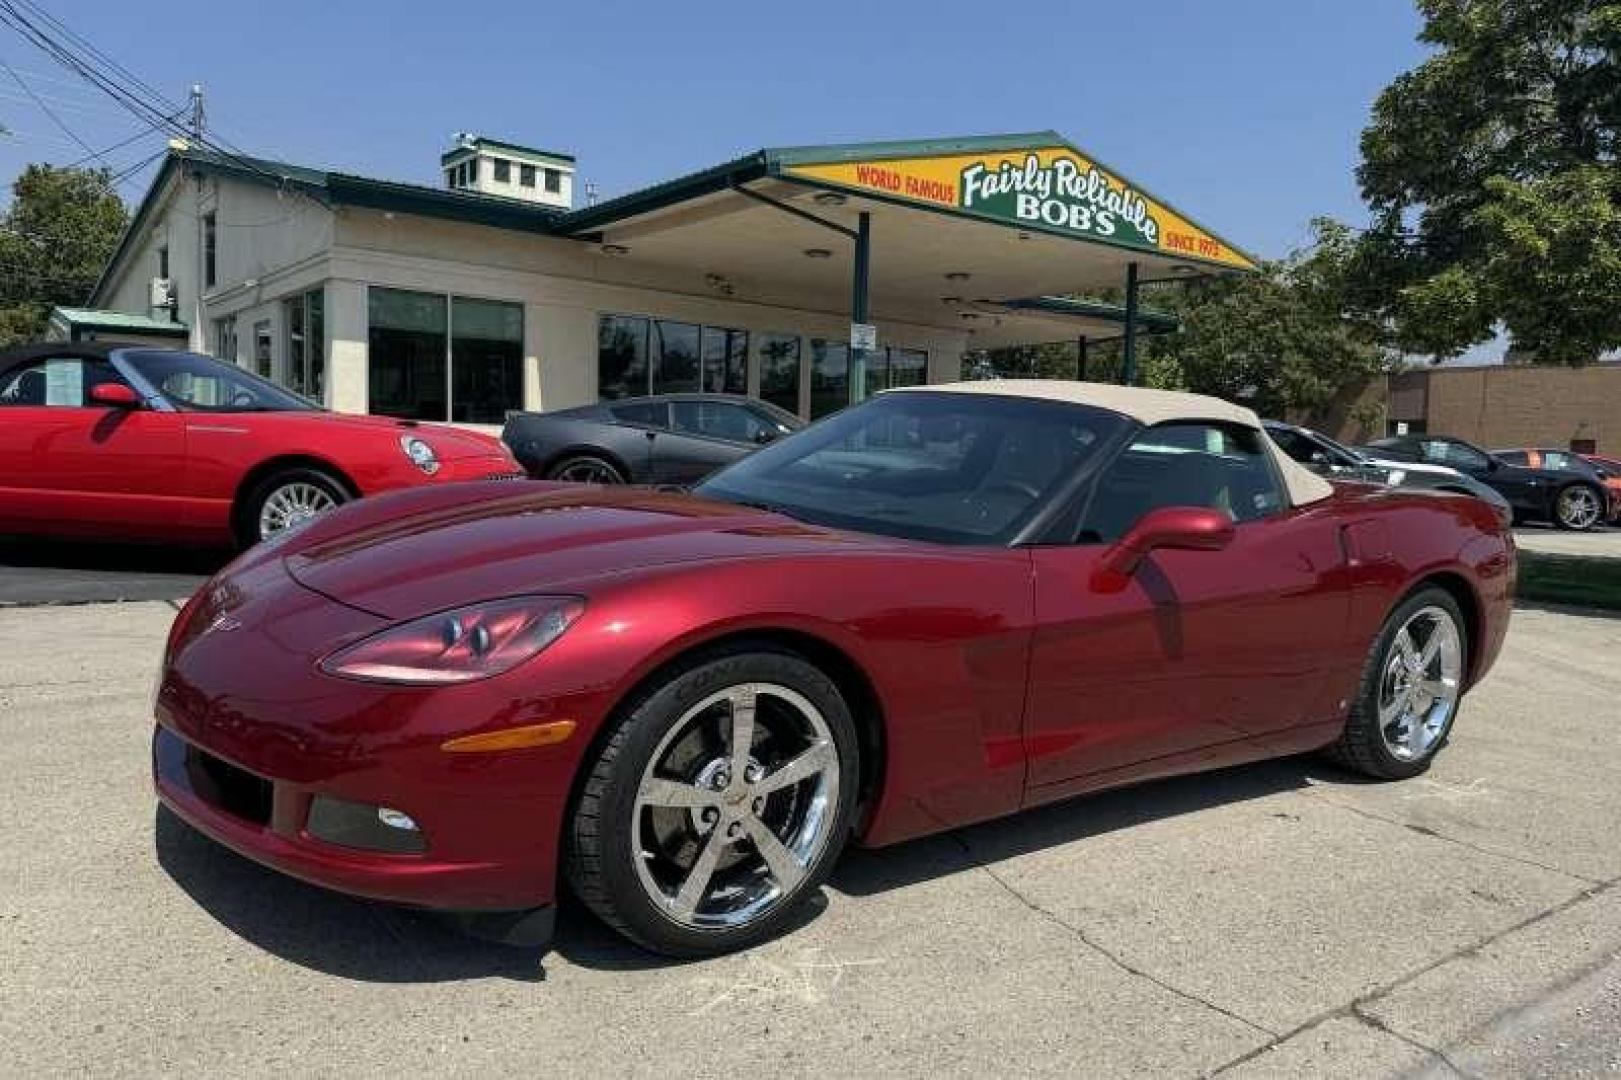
196,338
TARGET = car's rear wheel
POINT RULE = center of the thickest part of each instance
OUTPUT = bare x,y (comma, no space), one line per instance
585,469
286,500
1410,690
717,805
1578,507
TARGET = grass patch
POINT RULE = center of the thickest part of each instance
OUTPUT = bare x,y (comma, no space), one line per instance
1570,579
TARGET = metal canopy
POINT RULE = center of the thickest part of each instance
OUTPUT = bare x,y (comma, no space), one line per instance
993,235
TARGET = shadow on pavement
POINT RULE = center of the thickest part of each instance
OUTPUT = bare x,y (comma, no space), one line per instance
62,572
375,942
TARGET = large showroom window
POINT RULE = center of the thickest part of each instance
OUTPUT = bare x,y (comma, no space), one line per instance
407,341
779,370
486,360
304,330
829,377
437,357
637,356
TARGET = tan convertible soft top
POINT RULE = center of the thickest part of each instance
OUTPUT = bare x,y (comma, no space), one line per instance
1148,407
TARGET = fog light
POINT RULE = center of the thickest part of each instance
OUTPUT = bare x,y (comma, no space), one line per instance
364,826
396,819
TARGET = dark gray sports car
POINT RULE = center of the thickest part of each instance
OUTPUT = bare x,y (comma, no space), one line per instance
671,439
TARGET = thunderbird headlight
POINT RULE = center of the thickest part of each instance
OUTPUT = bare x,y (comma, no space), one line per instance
420,453
469,643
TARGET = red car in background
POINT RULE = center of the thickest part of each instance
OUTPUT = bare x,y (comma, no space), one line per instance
104,441
941,605
1610,469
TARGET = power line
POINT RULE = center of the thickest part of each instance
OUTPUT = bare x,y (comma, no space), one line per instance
13,16
114,147
69,132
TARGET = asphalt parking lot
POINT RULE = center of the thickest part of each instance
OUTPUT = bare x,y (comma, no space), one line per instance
1283,919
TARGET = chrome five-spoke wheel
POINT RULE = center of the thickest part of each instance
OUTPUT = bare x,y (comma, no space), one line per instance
1412,685
735,805
717,803
1418,692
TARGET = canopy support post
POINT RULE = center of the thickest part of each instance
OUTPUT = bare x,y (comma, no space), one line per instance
1128,367
859,310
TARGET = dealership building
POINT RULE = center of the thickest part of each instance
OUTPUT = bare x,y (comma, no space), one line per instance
807,276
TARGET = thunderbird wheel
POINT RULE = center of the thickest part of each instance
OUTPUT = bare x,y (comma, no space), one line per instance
721,802
1410,689
287,500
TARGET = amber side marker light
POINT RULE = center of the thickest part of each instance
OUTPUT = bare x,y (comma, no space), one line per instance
516,738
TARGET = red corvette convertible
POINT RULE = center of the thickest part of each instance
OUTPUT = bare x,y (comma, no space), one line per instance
104,441
939,606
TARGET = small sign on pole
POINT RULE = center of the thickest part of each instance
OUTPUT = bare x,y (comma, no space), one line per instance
863,336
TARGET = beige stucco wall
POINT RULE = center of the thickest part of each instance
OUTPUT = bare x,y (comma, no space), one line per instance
272,246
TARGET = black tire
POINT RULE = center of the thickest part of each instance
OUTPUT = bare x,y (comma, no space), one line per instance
253,503
605,471
602,840
1559,507
1361,746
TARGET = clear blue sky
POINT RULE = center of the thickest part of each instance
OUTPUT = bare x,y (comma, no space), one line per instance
1244,113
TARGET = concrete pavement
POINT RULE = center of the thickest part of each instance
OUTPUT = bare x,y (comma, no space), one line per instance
1278,920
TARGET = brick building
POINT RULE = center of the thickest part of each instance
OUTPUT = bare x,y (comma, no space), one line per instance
1494,406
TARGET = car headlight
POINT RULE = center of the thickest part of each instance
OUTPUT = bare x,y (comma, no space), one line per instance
462,645
1396,476
420,453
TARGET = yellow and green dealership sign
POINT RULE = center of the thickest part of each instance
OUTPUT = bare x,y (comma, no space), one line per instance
1050,188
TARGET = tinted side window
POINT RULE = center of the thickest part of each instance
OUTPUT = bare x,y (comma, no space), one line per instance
1514,457
718,420
646,413
1208,465
63,382
1459,456
1294,444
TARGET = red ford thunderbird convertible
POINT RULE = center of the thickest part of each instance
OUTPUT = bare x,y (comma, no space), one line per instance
104,441
942,605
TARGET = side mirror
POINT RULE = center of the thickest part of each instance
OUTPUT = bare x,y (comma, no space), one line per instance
114,396
764,436
1186,528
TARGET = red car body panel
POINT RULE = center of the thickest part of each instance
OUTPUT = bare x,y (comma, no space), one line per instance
140,474
993,678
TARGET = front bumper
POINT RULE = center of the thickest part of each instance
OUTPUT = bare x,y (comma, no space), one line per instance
241,698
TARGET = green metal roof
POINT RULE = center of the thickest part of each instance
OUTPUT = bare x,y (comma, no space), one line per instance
506,213
98,319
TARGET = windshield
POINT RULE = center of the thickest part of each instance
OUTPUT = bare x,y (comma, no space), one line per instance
952,468
194,382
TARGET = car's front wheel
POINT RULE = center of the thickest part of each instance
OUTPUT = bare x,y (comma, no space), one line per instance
717,805
1411,686
1578,506
287,500
585,469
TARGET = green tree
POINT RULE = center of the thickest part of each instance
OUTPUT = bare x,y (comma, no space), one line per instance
1281,340
56,236
1491,171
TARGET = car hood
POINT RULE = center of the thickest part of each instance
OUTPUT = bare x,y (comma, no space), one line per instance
449,443
538,541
